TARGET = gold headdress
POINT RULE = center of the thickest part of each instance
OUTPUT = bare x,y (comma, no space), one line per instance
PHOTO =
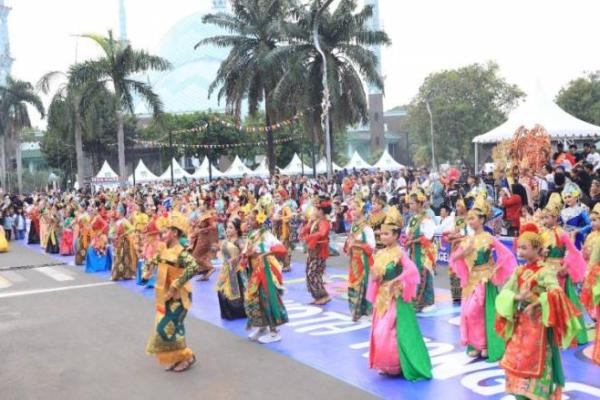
481,207
418,193
554,205
596,209
393,220
179,221
530,233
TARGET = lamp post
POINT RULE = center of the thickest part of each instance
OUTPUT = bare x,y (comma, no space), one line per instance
325,105
433,166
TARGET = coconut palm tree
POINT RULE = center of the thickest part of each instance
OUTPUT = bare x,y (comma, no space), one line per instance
14,116
254,30
347,42
115,69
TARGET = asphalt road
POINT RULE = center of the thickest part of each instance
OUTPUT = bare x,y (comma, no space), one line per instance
88,343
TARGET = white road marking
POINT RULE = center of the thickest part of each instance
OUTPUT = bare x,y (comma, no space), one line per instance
57,289
4,283
13,276
55,274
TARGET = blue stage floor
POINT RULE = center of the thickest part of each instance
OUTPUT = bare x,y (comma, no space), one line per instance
326,339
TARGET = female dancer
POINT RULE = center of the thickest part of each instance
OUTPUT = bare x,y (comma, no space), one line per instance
315,233
53,223
574,216
125,262
232,280
590,296
66,239
535,318
420,231
262,299
99,255
83,235
376,218
396,345
175,268
473,263
282,217
359,246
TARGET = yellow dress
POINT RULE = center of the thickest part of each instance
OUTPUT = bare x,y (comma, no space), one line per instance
3,241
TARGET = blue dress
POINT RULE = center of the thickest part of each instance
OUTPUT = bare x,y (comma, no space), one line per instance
97,263
576,218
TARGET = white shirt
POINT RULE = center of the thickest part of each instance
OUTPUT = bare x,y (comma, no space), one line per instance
594,159
401,184
445,225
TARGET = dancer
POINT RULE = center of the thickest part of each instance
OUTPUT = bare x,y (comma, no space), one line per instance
3,242
147,270
282,217
359,246
376,218
420,231
204,237
232,279
125,261
83,236
173,290
594,235
574,216
315,233
561,254
262,299
33,214
590,297
66,239
479,274
396,344
460,231
99,255
52,239
535,318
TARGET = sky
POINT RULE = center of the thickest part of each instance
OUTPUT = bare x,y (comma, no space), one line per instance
550,42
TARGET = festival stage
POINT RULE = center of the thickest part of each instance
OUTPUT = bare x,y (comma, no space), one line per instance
326,339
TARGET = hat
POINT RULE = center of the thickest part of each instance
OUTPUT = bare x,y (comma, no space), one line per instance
481,207
178,221
393,220
530,232
571,190
554,205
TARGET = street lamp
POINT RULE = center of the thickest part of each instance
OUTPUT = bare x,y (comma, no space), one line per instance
433,166
326,104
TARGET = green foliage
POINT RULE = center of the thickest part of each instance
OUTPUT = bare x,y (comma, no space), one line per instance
465,102
581,98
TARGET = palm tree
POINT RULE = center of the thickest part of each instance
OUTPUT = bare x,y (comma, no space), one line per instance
115,69
347,43
14,116
67,94
255,29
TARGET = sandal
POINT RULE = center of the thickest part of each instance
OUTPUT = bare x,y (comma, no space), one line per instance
186,364
171,367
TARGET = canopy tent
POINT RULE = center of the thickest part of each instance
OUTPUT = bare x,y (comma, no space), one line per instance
178,172
142,174
387,163
539,109
295,167
357,162
262,171
202,171
322,166
237,169
106,176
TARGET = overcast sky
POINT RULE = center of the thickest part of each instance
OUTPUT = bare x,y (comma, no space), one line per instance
550,41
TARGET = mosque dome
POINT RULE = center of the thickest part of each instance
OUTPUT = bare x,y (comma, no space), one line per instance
184,88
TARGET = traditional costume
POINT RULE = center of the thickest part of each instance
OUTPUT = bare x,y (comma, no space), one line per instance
3,242
473,262
534,327
282,217
575,218
590,297
202,239
125,261
52,239
83,237
175,268
459,232
99,255
66,239
33,236
231,282
396,344
375,220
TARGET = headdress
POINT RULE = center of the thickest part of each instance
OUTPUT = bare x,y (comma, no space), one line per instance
418,193
554,205
530,232
393,220
571,190
324,202
178,221
481,207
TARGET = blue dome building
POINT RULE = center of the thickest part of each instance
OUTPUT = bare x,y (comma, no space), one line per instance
184,88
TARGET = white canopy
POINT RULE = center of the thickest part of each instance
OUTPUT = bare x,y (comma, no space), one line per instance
387,163
357,162
295,167
322,166
262,171
142,174
202,172
237,169
540,109
106,176
178,172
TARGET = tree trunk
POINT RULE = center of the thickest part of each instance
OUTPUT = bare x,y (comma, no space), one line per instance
121,147
79,146
331,147
19,160
3,163
270,144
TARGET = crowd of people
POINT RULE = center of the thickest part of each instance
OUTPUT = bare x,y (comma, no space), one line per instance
396,225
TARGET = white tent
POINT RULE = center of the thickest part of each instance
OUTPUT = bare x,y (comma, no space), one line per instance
142,174
539,109
357,162
237,169
322,166
387,163
295,167
106,176
262,171
202,171
178,172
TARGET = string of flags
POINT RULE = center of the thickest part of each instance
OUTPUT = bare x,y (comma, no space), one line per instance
155,144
